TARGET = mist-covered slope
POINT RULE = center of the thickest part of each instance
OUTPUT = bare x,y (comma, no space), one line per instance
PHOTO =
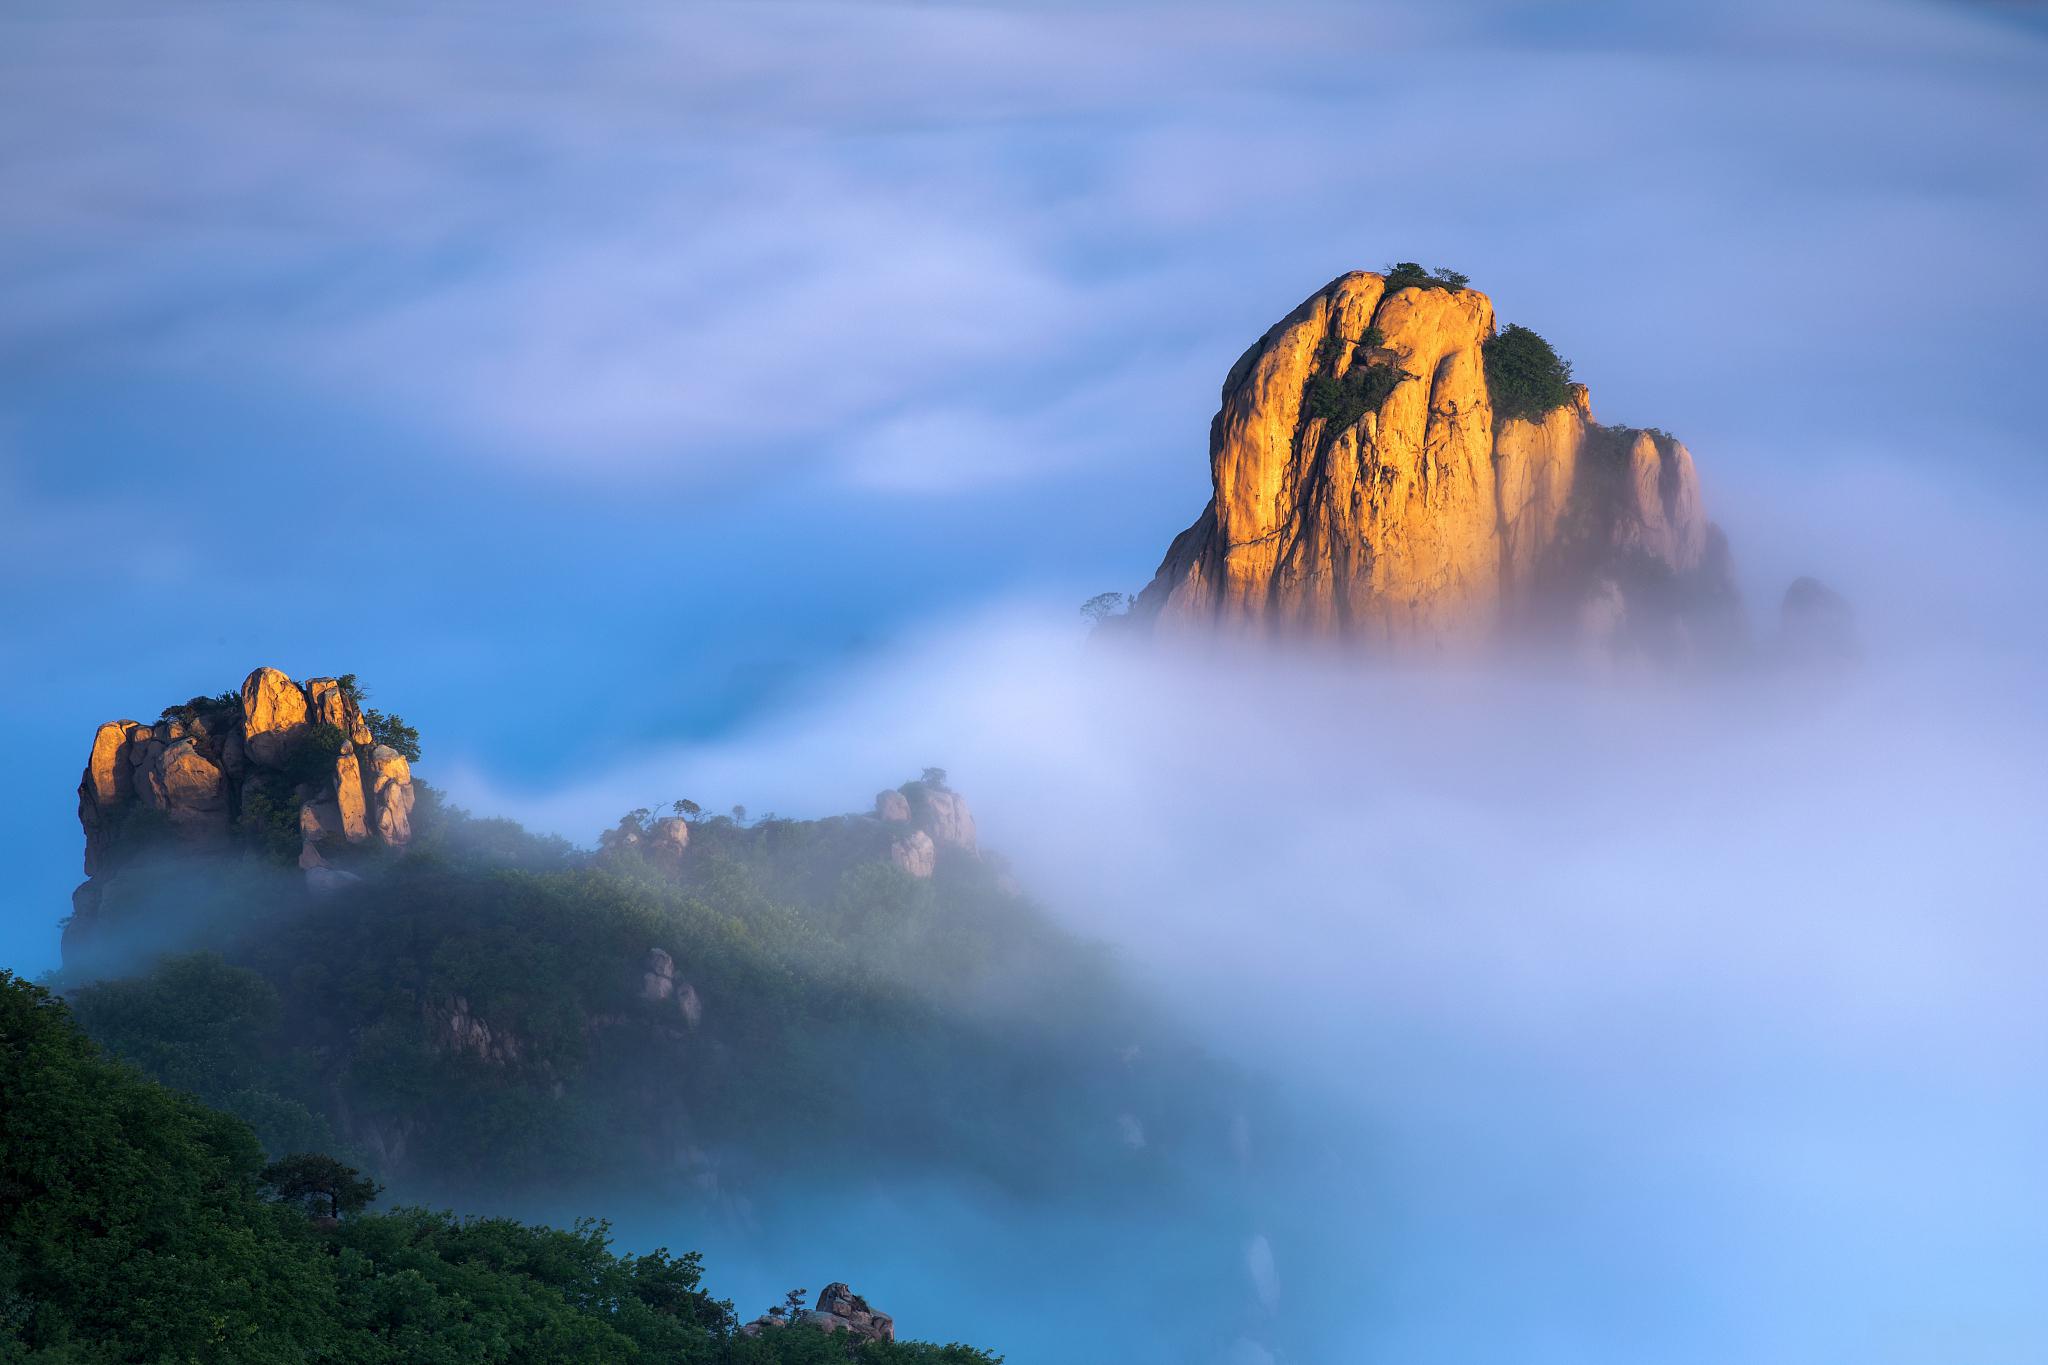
137,1224
700,1007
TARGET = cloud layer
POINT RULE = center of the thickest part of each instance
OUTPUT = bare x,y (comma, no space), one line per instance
904,245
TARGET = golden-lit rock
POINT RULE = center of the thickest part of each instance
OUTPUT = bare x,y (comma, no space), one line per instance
1535,467
391,795
273,716
108,783
187,787
213,766
328,703
348,794
1388,507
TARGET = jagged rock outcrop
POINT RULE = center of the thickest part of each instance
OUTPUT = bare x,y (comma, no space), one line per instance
936,817
839,1310
915,854
451,1027
274,763
1424,523
943,814
660,985
671,836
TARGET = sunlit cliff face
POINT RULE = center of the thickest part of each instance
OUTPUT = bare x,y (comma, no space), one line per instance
1370,486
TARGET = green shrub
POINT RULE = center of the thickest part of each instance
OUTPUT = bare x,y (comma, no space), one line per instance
1410,275
311,762
270,821
1340,401
390,729
1524,376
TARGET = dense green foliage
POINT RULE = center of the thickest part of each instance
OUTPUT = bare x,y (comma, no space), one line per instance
1340,400
1524,377
1410,275
385,727
200,708
389,729
135,1225
473,1017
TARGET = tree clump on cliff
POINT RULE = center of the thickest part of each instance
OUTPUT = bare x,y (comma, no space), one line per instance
1525,376
1409,275
1339,400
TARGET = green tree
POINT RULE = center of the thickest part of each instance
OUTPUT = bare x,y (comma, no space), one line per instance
390,729
1105,605
1525,377
320,1185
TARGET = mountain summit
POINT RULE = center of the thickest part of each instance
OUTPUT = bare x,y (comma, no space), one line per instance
1390,469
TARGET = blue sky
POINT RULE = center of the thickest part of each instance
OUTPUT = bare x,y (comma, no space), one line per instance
587,382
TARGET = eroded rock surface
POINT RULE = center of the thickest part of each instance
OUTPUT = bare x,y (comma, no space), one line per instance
275,763
1425,524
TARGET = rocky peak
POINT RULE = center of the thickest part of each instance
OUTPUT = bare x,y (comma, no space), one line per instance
839,1310
935,817
292,769
1365,489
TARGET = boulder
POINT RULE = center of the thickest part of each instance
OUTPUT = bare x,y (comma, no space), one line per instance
658,983
391,795
670,837
273,716
328,704
841,1310
944,815
892,806
348,794
915,853
658,977
185,786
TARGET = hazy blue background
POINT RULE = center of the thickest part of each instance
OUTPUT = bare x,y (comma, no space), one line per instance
584,380
661,400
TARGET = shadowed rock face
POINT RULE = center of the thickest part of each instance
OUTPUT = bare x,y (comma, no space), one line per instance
1424,524
276,754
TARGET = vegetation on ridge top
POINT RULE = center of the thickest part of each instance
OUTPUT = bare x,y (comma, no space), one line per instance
1525,377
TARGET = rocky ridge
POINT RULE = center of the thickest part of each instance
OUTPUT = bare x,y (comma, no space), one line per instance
839,1310
1428,523
277,763
935,817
